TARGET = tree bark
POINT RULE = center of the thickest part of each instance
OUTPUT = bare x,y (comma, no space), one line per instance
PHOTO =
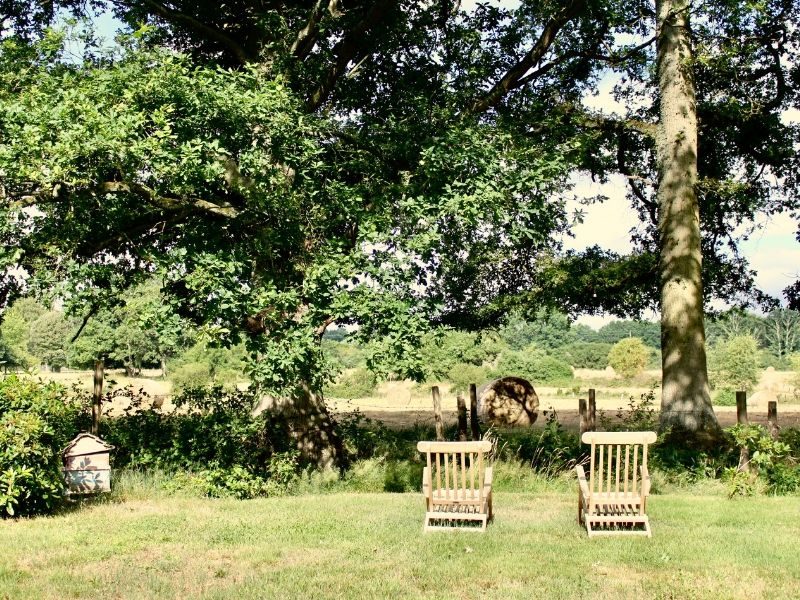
686,402
310,426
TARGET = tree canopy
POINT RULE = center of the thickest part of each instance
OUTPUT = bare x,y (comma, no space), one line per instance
396,165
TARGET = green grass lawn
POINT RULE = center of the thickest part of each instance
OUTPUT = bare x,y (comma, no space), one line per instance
371,546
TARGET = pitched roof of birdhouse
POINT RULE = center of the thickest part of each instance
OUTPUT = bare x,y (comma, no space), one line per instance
91,443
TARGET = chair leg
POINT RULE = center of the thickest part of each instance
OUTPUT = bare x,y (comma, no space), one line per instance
491,514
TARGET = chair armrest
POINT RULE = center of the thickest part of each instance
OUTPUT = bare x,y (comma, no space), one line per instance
645,481
426,482
582,481
488,478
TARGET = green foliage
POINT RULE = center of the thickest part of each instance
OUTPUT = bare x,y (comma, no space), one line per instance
628,357
36,422
15,332
141,329
355,383
49,339
203,365
616,331
734,364
210,426
586,355
443,349
343,355
724,396
545,330
533,365
771,459
461,375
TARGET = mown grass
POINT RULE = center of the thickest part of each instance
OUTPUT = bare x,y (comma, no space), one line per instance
143,544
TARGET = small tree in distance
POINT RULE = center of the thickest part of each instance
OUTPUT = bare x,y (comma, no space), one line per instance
628,357
735,364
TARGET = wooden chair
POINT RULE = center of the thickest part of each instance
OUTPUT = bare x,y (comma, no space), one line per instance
457,484
615,497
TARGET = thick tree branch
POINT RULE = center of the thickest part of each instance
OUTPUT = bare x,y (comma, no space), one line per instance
211,33
307,36
222,210
622,165
347,49
511,79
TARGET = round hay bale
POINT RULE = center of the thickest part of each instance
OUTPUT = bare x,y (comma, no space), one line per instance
509,401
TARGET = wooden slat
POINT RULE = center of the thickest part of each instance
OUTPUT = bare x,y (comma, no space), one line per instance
472,472
474,446
600,472
610,455
619,459
446,474
438,472
627,454
635,467
618,437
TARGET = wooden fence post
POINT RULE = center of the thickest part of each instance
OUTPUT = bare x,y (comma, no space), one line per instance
473,412
462,417
592,417
583,421
741,419
772,419
437,413
97,396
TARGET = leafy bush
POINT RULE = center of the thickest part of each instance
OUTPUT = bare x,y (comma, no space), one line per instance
203,365
725,397
37,420
191,375
210,426
586,355
357,383
533,365
444,349
734,363
462,375
628,357
771,459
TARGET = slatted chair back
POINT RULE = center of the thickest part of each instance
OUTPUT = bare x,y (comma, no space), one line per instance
457,484
616,461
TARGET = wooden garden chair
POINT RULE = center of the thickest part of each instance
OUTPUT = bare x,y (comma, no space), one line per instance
457,484
614,499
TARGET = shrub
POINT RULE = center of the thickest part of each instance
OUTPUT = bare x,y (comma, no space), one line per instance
533,365
210,426
628,357
734,363
771,459
191,375
725,397
37,420
586,355
357,383
462,375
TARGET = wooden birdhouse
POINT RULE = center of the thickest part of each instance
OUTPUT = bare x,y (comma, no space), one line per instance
87,469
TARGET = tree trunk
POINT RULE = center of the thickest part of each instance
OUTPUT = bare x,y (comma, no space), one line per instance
686,401
310,426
